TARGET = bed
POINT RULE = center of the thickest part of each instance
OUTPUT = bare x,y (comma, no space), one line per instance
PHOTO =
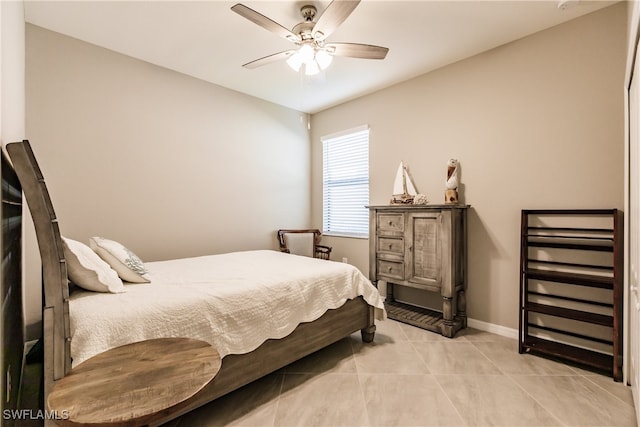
303,304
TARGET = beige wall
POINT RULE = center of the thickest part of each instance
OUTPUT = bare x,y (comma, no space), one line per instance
536,123
169,165
12,94
12,89
12,128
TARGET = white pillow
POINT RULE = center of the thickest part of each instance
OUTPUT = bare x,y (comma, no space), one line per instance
128,265
88,271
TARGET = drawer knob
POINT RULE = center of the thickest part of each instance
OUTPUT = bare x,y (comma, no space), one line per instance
389,269
390,222
390,245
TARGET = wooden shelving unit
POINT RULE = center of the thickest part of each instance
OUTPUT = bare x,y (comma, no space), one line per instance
571,287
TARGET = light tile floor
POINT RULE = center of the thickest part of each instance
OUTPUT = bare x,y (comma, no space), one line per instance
412,377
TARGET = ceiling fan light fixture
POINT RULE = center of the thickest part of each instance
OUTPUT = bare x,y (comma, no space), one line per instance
313,58
311,68
324,59
295,62
306,53
310,36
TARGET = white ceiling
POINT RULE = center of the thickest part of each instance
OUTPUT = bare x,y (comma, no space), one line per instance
205,39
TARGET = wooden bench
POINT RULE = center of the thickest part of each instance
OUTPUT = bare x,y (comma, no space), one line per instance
135,384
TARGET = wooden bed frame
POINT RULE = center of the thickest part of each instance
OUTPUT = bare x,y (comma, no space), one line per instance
236,370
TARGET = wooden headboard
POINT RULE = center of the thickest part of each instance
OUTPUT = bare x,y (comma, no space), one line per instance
55,314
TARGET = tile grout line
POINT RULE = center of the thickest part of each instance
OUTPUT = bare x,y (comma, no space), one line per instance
501,373
275,413
598,386
576,373
487,357
587,377
362,395
510,378
444,393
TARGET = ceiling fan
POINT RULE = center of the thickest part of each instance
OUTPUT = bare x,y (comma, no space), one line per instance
310,37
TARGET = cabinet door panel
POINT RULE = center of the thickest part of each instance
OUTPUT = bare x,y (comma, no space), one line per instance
423,249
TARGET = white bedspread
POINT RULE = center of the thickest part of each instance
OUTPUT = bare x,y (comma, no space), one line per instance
234,301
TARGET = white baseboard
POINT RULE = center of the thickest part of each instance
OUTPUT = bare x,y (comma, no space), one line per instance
493,328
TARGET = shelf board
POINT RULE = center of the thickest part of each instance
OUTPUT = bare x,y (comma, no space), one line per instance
594,281
416,316
572,229
568,313
572,299
608,268
606,246
581,356
570,334
570,212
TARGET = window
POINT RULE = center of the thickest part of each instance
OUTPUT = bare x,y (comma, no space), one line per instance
345,183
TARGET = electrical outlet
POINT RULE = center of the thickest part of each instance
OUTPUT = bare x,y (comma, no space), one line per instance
345,260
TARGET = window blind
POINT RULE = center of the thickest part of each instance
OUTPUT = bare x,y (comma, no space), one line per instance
346,183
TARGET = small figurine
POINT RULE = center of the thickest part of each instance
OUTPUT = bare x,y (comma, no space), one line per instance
451,193
404,190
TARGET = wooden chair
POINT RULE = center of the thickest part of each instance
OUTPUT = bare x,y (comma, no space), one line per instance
303,242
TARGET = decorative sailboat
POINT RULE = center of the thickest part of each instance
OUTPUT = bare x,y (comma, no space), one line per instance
404,190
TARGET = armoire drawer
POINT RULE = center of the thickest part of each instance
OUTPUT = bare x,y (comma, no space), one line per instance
390,269
391,245
390,222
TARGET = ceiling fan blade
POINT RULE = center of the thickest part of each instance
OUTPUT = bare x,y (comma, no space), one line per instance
332,17
264,22
356,50
269,59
